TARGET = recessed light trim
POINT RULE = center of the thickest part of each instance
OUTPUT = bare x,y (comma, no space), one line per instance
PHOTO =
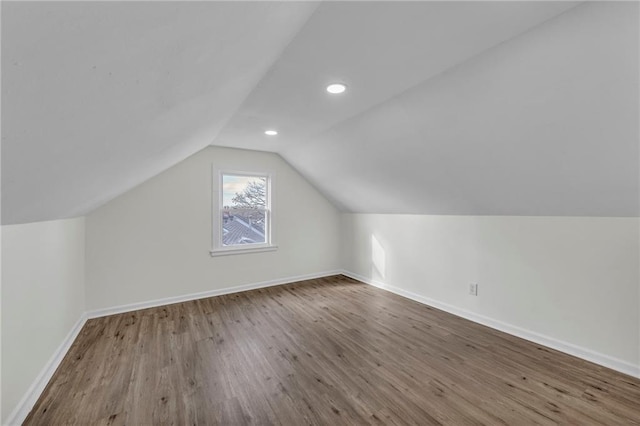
270,132
336,88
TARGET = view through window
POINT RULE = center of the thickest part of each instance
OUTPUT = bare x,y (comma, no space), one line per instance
245,211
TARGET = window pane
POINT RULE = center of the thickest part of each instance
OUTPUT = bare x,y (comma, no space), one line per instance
244,217
243,226
245,192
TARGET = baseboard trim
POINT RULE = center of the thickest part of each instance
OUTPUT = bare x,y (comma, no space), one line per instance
568,348
22,410
20,413
201,295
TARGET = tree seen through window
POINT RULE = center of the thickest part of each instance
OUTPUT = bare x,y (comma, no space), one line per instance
245,210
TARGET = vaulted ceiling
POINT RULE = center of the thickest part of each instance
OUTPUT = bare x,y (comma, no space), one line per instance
524,108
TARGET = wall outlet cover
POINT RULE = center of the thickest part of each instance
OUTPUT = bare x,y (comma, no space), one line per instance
473,289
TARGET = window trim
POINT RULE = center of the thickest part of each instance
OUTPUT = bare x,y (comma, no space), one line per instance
217,195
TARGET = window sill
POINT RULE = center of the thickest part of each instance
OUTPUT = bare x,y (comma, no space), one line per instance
230,251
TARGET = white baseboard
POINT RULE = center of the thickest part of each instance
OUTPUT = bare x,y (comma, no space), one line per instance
27,402
569,348
20,412
33,393
194,296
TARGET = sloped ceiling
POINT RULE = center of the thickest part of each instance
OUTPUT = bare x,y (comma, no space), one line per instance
99,96
525,108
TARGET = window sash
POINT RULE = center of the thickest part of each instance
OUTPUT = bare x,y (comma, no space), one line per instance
219,210
265,232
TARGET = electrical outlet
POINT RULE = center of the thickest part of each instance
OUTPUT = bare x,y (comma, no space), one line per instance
473,289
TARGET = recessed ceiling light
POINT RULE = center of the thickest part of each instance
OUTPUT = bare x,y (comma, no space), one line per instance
270,132
336,88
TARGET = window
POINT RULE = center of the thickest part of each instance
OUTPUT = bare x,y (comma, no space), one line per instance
242,219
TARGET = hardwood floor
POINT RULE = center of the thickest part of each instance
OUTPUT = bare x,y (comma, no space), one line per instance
327,351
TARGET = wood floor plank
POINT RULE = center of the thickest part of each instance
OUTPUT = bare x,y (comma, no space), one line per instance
321,352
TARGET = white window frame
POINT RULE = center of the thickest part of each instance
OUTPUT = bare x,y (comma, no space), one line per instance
217,194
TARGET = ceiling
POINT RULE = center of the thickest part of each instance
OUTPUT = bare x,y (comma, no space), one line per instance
100,96
504,108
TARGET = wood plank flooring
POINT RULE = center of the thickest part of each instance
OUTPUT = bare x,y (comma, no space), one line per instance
330,351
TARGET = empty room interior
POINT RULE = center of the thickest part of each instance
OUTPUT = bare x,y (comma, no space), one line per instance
320,213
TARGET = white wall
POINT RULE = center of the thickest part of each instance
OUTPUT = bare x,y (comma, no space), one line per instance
571,282
153,242
42,298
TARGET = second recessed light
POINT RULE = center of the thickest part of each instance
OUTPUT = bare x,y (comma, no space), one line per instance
270,132
336,88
